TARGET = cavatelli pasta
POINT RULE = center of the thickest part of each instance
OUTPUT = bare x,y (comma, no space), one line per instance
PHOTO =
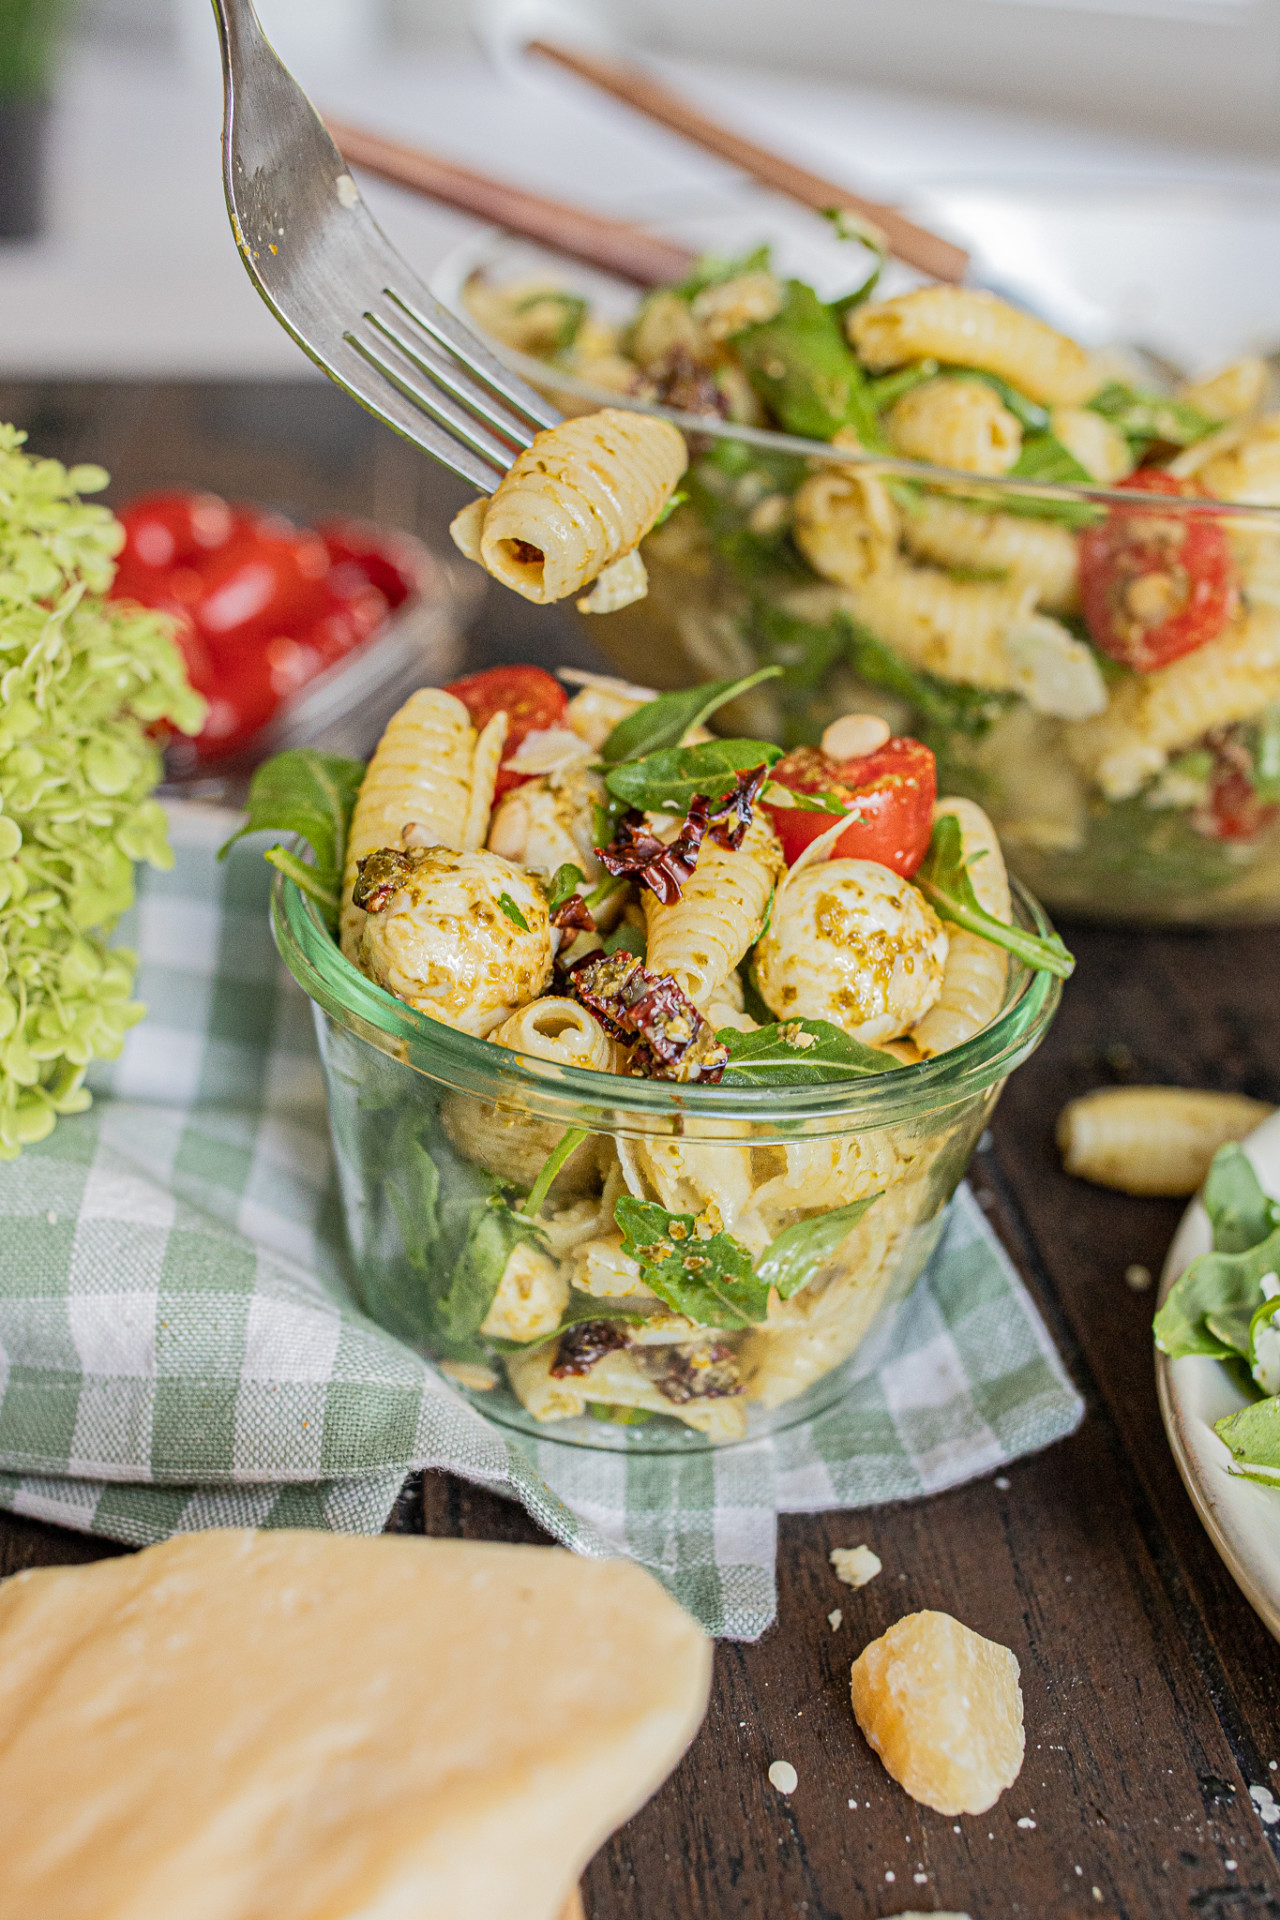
1034,553
1152,1140
954,628
845,524
966,328
953,422
1236,391
420,773
1153,715
580,497
560,1030
974,981
701,937
1098,444
1247,471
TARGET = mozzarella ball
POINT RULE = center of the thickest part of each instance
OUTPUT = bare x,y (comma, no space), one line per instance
855,944
441,934
550,823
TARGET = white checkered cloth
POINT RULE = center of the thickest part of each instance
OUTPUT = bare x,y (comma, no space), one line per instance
179,1347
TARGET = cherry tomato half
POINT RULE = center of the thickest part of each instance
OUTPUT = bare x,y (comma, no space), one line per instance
269,581
530,698
1156,585
889,793
164,530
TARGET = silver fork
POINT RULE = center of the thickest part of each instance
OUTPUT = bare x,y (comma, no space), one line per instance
335,282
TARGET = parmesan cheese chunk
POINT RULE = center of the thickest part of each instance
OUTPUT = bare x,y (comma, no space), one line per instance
313,1727
943,1709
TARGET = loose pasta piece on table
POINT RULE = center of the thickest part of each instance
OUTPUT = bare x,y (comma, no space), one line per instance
420,774
1153,715
974,981
1152,1140
1035,553
966,328
700,938
580,497
953,422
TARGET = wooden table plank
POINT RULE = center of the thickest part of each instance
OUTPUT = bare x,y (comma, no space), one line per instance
1152,1692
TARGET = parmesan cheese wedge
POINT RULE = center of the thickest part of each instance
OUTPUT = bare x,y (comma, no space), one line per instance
303,1726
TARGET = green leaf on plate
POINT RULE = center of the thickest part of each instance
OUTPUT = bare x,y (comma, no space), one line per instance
667,781
664,721
798,1053
1253,1436
796,1255
1240,1213
944,881
703,1274
1211,1305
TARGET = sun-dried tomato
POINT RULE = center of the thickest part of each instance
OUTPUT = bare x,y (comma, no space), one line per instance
636,853
707,1371
731,816
578,1348
672,1040
574,914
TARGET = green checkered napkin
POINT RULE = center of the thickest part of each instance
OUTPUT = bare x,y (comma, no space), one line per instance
179,1348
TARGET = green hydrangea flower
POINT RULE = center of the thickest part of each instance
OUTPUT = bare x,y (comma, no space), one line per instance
81,681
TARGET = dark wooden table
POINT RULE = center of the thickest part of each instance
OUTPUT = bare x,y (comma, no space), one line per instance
1152,1691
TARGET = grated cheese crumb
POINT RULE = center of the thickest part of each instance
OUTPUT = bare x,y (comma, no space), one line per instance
783,1776
854,1565
833,1620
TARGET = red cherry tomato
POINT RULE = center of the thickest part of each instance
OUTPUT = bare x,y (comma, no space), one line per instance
240,703
384,561
530,698
265,583
889,793
1156,585
164,530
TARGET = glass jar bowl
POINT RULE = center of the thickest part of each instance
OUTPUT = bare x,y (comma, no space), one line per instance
439,1136
1142,797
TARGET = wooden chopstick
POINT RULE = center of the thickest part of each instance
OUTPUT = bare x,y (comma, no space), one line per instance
616,245
929,252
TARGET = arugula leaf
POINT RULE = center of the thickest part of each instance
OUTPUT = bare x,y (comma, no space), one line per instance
1253,1436
712,270
573,312
885,391
565,882
674,500
620,1416
664,722
310,794
1211,1305
805,372
666,782
513,912
496,1231
1044,457
706,1276
630,939
1266,756
851,226
1029,415
944,881
775,796
1239,1211
411,1182
568,1143
796,1255
1145,417
798,1053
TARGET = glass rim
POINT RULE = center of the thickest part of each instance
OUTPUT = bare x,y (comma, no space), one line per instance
618,1104
547,375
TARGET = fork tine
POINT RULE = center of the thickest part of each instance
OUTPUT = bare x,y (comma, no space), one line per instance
380,393
488,370
446,375
432,401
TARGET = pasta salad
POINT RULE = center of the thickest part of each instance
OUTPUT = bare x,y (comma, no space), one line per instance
1103,677
589,879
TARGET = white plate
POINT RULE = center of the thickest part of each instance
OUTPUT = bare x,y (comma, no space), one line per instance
1241,1518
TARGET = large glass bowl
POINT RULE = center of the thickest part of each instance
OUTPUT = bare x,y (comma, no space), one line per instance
437,1134
1136,813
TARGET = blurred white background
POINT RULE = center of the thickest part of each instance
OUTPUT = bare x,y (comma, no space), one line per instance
1108,148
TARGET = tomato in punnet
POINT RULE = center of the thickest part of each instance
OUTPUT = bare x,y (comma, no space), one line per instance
267,582
530,698
889,795
1156,585
385,562
163,530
